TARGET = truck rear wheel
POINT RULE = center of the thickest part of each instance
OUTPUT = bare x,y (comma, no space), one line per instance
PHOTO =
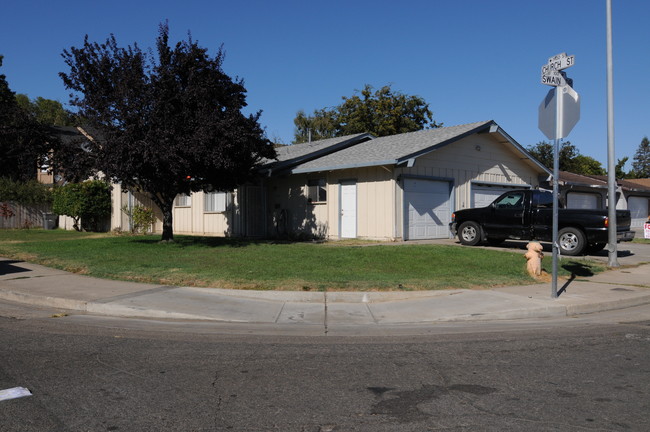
571,241
470,233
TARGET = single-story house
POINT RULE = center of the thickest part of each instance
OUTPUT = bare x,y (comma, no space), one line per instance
400,187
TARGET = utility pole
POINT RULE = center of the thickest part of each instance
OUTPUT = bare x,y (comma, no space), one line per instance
611,161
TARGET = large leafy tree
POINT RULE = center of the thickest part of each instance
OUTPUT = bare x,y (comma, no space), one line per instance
641,164
23,140
381,112
46,111
165,125
569,157
618,169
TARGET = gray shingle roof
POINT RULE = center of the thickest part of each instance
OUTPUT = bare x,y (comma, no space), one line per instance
390,150
292,155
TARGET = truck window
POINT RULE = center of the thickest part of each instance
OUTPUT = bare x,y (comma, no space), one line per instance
545,199
513,200
542,199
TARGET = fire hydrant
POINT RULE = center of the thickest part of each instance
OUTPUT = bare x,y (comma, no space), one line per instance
534,258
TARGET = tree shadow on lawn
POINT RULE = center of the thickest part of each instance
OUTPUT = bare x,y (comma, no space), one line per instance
212,242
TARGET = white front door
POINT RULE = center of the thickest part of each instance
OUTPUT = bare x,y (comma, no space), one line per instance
348,215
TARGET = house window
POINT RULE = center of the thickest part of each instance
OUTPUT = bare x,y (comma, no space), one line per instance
316,190
216,202
183,200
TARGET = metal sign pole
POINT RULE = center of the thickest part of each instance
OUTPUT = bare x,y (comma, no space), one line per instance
556,185
556,125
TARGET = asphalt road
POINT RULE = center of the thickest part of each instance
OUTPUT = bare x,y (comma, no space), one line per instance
92,374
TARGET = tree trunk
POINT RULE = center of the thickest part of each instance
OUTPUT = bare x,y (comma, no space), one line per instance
168,225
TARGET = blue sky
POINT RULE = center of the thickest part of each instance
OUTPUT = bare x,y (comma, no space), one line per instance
471,60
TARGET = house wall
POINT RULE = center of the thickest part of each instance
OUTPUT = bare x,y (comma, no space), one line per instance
479,158
290,213
186,220
375,202
194,219
285,210
379,192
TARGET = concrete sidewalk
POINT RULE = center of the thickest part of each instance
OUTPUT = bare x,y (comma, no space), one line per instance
37,285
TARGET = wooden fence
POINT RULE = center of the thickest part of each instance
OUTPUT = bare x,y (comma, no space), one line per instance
14,215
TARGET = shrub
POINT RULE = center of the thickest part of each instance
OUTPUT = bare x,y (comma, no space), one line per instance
88,202
141,217
27,193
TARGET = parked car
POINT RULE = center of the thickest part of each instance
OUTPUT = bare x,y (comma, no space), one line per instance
528,215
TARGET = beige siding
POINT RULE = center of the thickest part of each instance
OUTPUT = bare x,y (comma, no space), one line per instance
66,222
478,158
123,198
474,159
290,212
182,219
375,202
186,220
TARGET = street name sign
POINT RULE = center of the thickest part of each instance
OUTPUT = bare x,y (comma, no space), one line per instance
552,74
552,77
562,61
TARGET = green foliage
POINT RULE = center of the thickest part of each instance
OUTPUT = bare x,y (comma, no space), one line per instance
88,202
586,165
641,164
569,156
141,217
620,173
24,192
381,113
321,125
23,141
46,111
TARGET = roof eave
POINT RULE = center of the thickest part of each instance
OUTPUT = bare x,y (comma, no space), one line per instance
342,167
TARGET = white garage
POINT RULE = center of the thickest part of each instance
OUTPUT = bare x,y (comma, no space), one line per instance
582,200
638,207
482,195
427,207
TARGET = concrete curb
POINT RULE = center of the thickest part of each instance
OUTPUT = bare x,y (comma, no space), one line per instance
535,308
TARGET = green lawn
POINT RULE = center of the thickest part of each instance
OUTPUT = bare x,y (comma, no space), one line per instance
232,263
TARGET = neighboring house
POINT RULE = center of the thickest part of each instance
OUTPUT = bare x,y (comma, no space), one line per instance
390,188
580,191
590,191
637,195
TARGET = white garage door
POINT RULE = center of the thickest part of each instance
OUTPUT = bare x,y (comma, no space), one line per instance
427,209
582,200
482,196
638,207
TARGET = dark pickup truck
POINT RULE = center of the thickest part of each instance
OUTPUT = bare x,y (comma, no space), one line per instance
528,215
